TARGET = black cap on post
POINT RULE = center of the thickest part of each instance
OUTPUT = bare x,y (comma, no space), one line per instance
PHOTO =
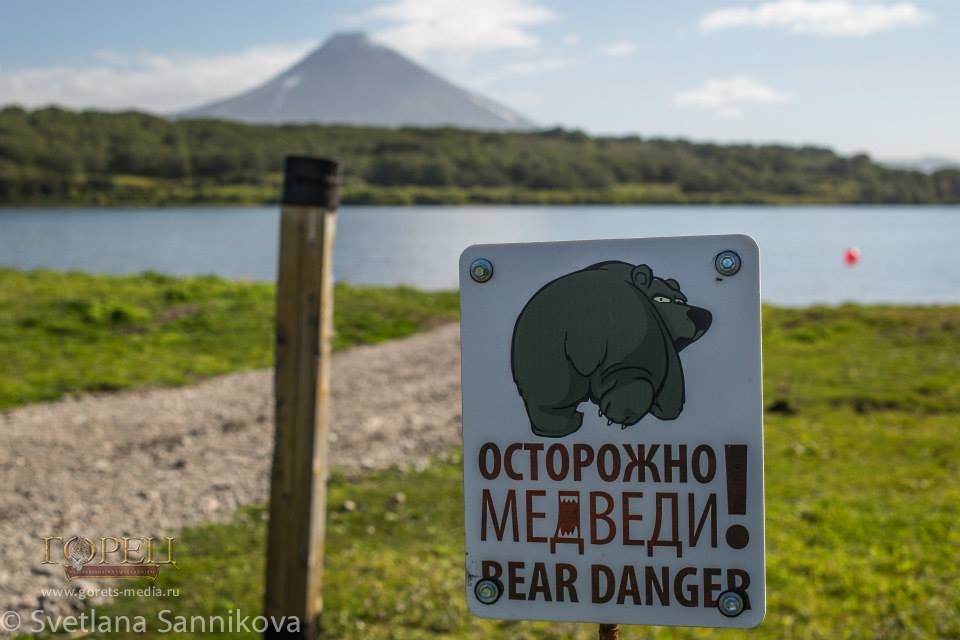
312,182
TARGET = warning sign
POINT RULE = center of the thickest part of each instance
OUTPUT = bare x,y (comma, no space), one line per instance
613,431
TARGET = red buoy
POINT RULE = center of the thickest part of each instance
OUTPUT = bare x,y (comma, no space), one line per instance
851,256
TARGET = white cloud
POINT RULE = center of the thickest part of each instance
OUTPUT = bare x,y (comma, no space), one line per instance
523,68
822,17
520,69
618,49
153,82
571,39
727,96
418,27
521,99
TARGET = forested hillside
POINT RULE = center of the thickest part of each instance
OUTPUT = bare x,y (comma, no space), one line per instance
54,156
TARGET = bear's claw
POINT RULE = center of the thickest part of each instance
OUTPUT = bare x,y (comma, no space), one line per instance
627,402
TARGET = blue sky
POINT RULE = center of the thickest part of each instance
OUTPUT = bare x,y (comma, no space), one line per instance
872,75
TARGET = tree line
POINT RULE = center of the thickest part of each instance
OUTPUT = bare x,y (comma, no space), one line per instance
54,155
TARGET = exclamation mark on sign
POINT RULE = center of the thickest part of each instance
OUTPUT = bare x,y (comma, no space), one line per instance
736,459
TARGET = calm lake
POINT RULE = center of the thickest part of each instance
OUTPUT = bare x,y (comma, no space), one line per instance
909,254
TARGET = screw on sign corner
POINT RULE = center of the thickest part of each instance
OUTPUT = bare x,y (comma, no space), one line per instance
481,270
730,604
487,591
727,263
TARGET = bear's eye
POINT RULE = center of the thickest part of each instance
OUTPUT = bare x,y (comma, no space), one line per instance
680,301
661,299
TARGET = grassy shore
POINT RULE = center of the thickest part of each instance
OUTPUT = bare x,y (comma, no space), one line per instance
70,332
862,463
143,191
63,333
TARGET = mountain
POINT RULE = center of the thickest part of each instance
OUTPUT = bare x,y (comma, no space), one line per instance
352,80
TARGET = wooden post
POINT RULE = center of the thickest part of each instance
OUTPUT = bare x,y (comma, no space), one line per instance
609,632
304,323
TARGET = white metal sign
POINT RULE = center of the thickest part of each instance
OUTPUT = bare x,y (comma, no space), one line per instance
613,431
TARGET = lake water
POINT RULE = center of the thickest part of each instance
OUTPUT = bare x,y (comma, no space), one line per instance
909,254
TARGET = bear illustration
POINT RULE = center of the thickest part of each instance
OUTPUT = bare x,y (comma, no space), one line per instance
611,334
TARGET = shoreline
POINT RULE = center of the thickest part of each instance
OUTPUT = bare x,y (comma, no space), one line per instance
481,205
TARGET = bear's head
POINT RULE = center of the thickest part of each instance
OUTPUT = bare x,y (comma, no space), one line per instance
685,323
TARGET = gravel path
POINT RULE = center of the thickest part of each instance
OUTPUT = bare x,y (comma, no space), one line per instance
148,462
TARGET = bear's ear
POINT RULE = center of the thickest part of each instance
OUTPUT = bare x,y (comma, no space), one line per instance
673,284
642,276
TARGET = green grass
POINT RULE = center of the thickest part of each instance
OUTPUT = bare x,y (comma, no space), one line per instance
147,191
63,333
863,358
620,194
863,506
861,531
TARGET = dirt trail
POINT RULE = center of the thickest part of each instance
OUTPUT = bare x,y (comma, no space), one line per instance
148,462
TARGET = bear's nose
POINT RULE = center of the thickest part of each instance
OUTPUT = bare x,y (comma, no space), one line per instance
701,318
